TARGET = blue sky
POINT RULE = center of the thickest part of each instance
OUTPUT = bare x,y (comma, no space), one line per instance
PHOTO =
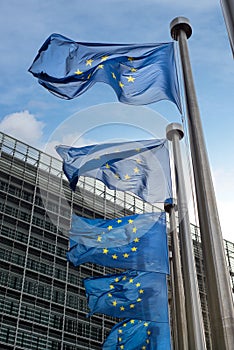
32,114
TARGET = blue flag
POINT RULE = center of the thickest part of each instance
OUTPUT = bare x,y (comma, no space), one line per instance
132,334
139,74
140,295
132,242
141,167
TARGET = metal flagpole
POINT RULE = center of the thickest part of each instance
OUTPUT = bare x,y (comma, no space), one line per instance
228,13
177,280
219,296
196,334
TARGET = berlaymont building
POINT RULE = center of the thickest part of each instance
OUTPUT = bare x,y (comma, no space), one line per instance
42,298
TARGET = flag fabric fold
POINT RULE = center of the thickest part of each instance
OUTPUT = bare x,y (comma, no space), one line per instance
132,334
141,167
139,73
131,242
142,295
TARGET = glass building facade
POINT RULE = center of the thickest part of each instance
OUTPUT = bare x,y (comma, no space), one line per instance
42,298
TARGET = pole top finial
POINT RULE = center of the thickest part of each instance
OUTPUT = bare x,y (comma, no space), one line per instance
174,128
180,23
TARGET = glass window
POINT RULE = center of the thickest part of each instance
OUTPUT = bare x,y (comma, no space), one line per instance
58,296
15,282
56,321
7,334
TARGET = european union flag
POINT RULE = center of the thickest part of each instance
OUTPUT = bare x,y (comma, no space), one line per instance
141,295
141,167
132,242
132,334
139,74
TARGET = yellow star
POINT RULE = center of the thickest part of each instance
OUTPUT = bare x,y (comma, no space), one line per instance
120,339
139,299
89,62
138,161
134,230
117,176
113,75
125,255
120,331
138,284
143,348
132,306
138,149
122,308
114,303
124,278
104,58
99,238
121,346
107,166
148,332
141,291
146,324
147,341
78,72
109,295
105,251
100,66
110,227
133,69
136,240
89,76
131,280
130,58
114,257
111,286
127,177
116,279
121,84
119,221
136,170
132,321
125,324
130,79
134,249
130,221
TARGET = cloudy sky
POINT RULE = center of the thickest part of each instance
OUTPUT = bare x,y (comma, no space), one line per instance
32,114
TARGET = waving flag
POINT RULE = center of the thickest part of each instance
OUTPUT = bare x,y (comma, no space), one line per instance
142,295
141,167
139,74
132,334
132,242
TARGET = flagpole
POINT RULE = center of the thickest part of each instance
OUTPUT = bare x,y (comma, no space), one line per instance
195,327
220,303
228,14
177,280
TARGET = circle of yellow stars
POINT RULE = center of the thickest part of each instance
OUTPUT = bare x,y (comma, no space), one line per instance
132,305
100,64
132,322
134,171
136,240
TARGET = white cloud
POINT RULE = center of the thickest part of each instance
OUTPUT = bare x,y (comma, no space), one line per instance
23,126
224,188
225,214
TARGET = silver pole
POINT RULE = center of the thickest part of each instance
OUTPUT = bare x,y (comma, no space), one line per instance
181,343
228,14
196,334
219,296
